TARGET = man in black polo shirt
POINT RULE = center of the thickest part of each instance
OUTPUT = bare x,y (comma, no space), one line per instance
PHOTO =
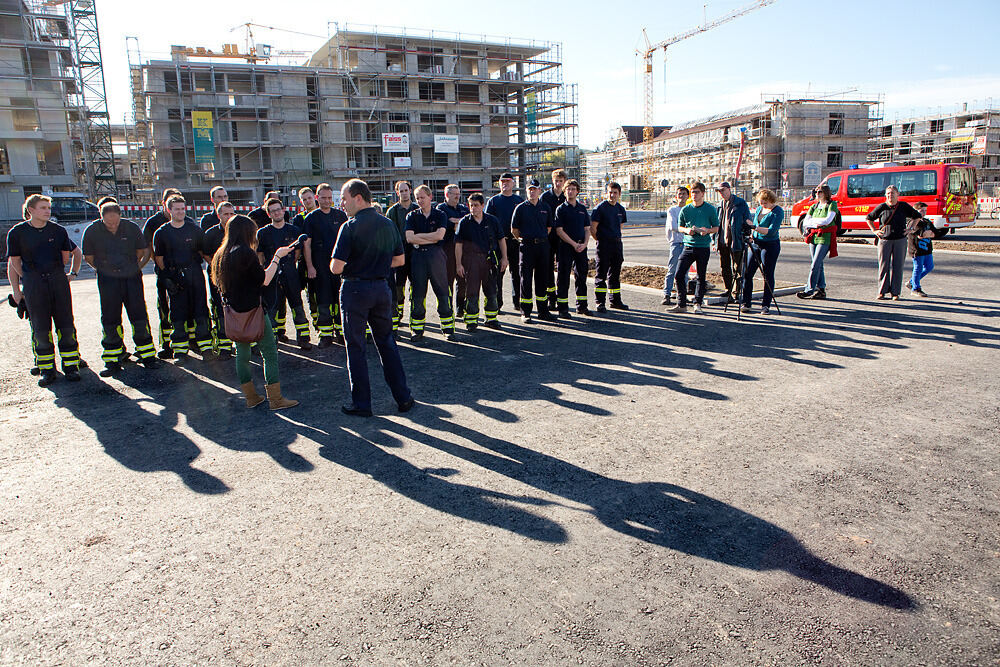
553,199
573,227
501,206
455,210
210,245
531,225
153,223
368,247
177,248
259,215
425,230
397,214
307,200
117,250
285,286
480,251
37,252
322,227
218,195
606,226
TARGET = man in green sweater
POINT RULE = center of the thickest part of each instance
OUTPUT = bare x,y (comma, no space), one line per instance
698,221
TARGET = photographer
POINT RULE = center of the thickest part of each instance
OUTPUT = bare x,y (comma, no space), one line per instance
480,250
764,249
241,279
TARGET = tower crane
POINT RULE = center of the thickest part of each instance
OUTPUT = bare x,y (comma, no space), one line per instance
647,54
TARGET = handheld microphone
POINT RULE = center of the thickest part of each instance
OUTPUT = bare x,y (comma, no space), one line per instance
298,242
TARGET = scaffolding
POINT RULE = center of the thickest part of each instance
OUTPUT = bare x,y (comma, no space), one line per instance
61,67
324,119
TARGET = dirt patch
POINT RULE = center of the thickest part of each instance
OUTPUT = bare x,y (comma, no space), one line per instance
643,275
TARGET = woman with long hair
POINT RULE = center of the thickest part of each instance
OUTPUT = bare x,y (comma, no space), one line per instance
820,229
241,280
764,249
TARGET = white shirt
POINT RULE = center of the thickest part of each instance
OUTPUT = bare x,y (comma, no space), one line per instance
673,220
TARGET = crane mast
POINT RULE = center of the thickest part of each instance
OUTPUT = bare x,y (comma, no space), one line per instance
647,54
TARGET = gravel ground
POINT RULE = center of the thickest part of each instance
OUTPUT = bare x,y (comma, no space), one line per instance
635,489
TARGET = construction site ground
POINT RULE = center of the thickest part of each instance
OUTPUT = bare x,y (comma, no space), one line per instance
637,488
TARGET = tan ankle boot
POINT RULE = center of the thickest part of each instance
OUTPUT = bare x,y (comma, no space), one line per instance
250,392
278,402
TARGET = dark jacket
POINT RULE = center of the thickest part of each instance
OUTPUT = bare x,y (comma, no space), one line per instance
733,215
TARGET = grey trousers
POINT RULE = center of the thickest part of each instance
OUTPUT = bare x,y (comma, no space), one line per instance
891,257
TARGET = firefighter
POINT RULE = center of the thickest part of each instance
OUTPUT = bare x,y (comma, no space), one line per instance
606,226
218,195
400,274
501,206
37,253
572,224
454,210
531,225
177,248
425,231
553,199
214,235
117,250
153,223
365,252
481,252
285,286
259,215
307,198
321,228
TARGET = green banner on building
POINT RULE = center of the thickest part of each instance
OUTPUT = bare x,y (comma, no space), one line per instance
532,116
204,136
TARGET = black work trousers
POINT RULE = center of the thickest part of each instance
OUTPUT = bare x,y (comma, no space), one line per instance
370,304
189,303
286,288
50,304
514,266
429,264
456,283
610,255
400,275
327,288
115,294
479,276
163,311
534,268
731,265
699,257
576,262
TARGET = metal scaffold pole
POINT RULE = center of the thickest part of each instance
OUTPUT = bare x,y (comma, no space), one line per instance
93,117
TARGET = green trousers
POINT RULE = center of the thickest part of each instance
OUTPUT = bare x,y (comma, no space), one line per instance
269,352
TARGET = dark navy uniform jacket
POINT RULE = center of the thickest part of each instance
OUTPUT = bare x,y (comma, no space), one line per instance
573,219
486,234
532,221
367,243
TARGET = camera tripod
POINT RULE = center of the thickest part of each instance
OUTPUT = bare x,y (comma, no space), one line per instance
752,252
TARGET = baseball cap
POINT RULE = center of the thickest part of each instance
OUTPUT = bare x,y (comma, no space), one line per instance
533,183
507,174
725,184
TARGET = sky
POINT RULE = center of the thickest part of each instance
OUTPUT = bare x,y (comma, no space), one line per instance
921,56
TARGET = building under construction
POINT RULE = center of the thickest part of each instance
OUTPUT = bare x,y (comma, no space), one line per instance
432,108
966,136
54,127
790,145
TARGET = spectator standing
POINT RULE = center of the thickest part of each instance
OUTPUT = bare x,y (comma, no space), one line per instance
764,250
675,242
698,221
820,229
919,235
733,215
893,217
